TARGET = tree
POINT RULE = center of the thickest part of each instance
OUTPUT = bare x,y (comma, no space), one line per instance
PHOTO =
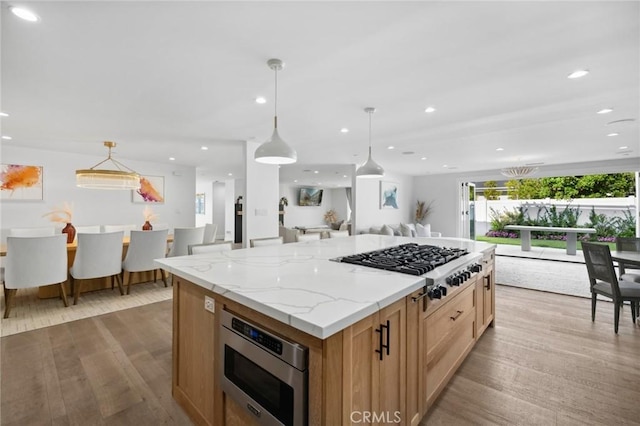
490,191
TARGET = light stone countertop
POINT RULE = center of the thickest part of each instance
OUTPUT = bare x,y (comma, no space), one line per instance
298,285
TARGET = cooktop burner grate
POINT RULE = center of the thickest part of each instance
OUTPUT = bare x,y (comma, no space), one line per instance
411,258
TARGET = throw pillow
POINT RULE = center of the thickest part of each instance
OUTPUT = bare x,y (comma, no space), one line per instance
396,230
405,230
412,227
374,230
386,230
423,230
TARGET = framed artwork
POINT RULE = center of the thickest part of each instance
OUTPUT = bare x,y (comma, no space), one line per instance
200,203
151,190
20,182
388,195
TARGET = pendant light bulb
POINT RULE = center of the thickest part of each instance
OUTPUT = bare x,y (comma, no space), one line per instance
370,169
275,150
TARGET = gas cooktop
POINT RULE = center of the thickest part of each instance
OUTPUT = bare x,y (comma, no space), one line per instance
411,258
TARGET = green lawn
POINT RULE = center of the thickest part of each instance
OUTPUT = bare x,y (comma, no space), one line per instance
534,242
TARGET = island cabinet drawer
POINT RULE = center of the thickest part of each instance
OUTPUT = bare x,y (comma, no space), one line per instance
447,319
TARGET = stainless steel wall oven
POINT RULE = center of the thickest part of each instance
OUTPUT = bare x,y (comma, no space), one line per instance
264,373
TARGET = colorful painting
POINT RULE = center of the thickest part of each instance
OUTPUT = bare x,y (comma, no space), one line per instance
151,190
388,195
20,182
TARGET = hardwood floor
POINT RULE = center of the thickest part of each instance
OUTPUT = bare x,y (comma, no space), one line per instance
544,363
113,369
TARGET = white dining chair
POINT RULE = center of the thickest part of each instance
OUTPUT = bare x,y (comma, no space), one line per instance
313,236
208,248
32,262
183,238
97,256
45,231
90,229
144,247
210,230
124,228
269,241
338,234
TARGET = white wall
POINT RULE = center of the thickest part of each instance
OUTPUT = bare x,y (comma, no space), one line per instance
260,209
367,201
218,208
91,206
309,216
204,186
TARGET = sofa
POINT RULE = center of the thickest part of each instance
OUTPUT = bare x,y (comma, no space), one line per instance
405,230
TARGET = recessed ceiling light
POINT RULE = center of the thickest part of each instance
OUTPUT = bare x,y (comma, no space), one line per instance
499,149
7,138
344,130
344,176
391,147
613,134
316,172
623,147
230,174
171,159
25,14
429,109
423,158
3,114
605,111
578,74
204,148
261,100
295,180
445,166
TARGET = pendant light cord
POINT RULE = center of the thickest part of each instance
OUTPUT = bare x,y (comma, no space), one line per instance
370,132
275,101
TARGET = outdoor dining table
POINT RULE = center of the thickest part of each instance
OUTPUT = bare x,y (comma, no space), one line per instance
50,291
627,257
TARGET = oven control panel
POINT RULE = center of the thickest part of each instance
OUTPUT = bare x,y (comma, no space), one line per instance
258,336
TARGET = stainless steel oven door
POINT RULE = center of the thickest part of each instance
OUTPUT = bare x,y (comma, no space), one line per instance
269,388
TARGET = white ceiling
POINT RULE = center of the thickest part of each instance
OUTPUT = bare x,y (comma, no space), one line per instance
163,79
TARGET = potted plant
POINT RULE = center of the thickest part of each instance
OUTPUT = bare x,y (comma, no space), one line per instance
64,215
331,216
284,201
422,210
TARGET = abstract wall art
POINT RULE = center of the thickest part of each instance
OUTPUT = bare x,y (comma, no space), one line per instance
20,182
151,190
388,195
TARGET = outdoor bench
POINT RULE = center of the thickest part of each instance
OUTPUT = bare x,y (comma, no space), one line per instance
525,235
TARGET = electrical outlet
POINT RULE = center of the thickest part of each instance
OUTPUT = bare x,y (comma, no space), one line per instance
209,305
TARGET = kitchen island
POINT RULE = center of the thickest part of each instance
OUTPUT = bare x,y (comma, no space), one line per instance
378,349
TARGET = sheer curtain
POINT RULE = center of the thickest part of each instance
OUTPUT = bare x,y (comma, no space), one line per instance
348,194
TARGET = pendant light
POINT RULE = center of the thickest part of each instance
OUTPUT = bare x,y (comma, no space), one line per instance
122,178
370,169
275,150
518,172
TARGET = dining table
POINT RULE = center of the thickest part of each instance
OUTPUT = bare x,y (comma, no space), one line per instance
631,258
51,291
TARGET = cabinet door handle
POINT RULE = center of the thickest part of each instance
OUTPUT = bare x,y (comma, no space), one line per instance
388,336
381,340
458,313
487,280
380,344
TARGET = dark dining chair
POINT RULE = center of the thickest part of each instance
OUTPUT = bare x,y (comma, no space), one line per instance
603,281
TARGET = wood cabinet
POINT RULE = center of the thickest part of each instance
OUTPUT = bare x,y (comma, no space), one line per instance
448,335
374,367
486,295
194,354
